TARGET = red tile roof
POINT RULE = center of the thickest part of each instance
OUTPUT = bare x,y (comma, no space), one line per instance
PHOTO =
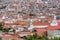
7,37
54,27
39,23
41,31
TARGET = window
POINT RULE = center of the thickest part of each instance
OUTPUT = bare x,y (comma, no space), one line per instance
58,17
3,7
34,31
19,12
54,6
59,8
31,14
44,0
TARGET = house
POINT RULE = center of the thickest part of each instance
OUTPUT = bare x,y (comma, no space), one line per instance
10,37
53,33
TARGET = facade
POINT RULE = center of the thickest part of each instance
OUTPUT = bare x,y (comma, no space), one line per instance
24,16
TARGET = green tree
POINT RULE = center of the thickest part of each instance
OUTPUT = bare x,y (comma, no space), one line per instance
6,29
1,27
36,37
44,37
55,38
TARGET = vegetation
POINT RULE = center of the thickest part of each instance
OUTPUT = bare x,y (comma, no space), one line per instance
4,29
31,37
1,27
36,37
55,38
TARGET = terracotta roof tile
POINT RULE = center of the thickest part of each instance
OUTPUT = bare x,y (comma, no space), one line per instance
38,23
54,27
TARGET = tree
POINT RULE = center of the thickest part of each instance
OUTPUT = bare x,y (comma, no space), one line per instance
35,36
55,38
1,27
6,29
44,37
